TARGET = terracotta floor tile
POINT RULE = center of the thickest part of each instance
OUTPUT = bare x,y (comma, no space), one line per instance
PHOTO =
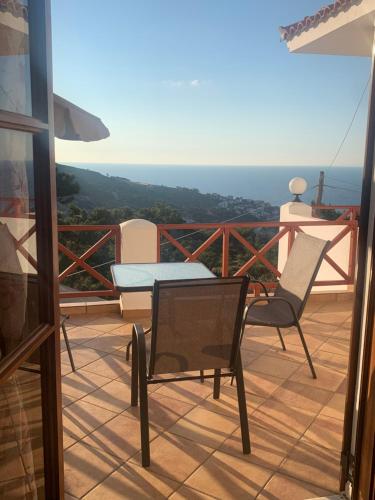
268,448
65,368
313,341
69,497
185,493
343,333
80,383
110,366
259,339
327,378
133,482
336,346
81,418
174,456
331,360
326,431
114,396
162,410
106,323
328,314
80,319
68,400
82,356
313,326
312,463
248,356
343,387
293,353
335,407
121,438
282,487
189,391
68,439
125,329
278,417
179,454
205,427
81,334
86,467
227,477
274,365
260,384
298,395
107,342
227,404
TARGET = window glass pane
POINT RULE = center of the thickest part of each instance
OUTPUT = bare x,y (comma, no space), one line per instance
19,312
15,89
21,437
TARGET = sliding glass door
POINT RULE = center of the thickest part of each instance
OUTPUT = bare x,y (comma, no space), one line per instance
30,399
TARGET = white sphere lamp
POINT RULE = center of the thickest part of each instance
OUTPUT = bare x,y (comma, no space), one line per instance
297,186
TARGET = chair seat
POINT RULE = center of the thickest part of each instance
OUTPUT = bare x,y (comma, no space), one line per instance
275,314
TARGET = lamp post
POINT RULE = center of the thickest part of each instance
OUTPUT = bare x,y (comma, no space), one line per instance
297,186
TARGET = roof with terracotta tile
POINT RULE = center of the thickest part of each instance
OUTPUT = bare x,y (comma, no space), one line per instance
331,10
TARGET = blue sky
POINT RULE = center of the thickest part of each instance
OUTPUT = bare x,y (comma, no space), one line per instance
204,82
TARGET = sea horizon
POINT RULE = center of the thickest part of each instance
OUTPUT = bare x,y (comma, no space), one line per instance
268,183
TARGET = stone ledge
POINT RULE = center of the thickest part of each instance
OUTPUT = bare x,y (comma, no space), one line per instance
113,306
103,306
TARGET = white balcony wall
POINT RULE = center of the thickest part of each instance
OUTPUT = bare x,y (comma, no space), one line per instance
138,245
299,212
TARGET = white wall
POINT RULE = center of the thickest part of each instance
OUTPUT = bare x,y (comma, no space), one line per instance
299,212
138,245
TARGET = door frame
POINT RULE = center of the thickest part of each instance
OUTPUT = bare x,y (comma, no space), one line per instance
47,336
353,467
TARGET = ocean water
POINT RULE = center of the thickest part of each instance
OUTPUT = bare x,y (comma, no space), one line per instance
343,184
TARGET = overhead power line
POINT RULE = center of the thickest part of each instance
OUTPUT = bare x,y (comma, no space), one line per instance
201,230
350,125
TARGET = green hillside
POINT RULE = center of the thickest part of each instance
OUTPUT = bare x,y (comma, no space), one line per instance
97,190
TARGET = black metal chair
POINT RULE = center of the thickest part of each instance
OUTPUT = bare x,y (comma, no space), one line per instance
63,328
285,308
196,326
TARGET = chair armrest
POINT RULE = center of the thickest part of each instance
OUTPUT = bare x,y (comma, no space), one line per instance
272,299
252,280
140,343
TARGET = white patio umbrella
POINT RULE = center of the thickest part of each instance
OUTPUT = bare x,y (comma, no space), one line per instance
71,122
75,124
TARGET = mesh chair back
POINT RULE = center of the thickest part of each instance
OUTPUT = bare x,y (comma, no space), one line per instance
196,324
301,269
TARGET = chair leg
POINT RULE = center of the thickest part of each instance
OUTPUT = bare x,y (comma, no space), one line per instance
139,340
127,353
217,384
134,374
312,369
246,448
63,327
201,372
281,338
143,400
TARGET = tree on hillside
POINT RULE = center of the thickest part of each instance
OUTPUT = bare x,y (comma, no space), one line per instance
66,186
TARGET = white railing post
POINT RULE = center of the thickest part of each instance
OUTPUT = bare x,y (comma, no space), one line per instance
138,245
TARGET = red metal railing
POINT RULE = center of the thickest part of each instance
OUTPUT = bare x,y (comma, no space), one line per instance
112,232
223,232
347,221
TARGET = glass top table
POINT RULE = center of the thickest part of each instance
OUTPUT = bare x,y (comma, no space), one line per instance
141,277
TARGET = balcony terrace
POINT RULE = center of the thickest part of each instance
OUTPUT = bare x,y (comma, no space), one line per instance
295,422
